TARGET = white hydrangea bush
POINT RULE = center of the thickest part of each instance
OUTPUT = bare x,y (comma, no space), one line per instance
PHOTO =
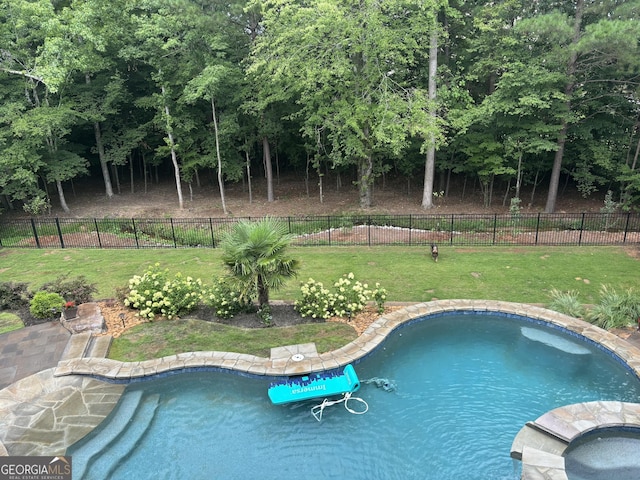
155,294
348,297
225,299
316,301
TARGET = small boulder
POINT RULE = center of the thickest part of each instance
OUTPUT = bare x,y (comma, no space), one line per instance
89,319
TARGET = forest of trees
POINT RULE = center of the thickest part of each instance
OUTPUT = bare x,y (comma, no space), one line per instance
520,92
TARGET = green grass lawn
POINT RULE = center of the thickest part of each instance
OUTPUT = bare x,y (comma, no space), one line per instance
9,322
516,274
168,337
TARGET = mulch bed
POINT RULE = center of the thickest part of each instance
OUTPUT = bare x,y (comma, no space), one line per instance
119,318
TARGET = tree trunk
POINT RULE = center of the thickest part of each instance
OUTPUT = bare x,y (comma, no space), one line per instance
277,164
101,156
493,178
116,177
63,201
220,178
266,152
263,292
365,179
635,157
552,196
535,185
146,173
506,193
519,175
249,177
131,187
306,174
429,168
176,169
174,156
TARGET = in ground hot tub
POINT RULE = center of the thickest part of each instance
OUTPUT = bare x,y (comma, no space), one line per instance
604,454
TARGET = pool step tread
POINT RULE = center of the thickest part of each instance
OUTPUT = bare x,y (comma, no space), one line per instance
531,435
122,447
114,425
99,346
77,346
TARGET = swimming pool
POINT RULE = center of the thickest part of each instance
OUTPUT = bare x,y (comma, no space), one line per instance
464,386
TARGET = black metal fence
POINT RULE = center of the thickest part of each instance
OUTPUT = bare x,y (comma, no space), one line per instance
418,230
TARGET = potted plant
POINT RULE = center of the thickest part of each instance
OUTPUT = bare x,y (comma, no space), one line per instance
70,310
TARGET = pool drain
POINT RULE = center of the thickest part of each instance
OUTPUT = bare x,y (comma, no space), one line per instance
297,357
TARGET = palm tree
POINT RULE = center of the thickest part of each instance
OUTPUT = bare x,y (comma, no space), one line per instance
255,253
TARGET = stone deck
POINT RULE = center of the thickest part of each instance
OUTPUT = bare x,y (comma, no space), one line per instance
541,443
77,383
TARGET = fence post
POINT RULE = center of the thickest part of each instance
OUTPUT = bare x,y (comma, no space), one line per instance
451,230
95,222
626,228
35,232
329,228
213,238
537,228
581,229
410,225
173,234
59,232
495,226
369,230
135,231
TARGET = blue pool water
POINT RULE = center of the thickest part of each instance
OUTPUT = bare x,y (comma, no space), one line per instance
464,386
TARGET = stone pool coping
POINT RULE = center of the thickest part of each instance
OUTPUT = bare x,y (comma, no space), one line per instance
541,444
64,413
283,363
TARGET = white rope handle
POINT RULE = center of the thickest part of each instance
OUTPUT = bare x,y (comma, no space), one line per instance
358,399
318,410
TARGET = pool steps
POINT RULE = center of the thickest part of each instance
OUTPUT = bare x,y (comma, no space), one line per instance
125,443
85,345
111,431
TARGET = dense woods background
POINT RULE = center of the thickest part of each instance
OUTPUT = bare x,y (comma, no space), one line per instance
514,98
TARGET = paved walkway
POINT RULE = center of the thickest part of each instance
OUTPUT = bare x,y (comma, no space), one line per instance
30,350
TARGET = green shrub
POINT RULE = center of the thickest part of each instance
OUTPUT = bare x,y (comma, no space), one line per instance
76,289
566,303
155,294
615,309
265,315
349,296
316,301
14,295
379,296
225,300
46,305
